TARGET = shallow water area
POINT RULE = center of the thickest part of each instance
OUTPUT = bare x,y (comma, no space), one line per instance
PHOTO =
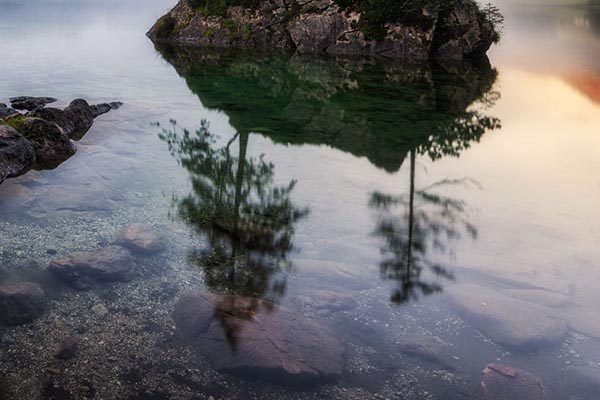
326,227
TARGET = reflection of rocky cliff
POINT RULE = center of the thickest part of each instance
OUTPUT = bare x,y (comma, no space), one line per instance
374,110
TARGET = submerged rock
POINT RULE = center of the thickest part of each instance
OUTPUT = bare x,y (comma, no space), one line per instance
501,382
21,302
427,349
322,26
542,297
52,147
509,322
142,238
84,269
255,338
585,322
583,381
17,154
325,301
30,103
67,349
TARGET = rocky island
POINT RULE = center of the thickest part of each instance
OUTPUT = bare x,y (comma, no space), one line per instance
413,29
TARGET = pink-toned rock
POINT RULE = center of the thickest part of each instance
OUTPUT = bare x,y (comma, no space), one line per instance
83,269
501,382
255,338
142,239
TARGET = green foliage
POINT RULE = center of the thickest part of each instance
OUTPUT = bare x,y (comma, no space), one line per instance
219,7
376,13
14,122
165,26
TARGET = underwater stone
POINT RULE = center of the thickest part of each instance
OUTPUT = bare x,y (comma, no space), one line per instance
84,269
21,302
583,381
142,239
254,338
509,322
501,382
66,349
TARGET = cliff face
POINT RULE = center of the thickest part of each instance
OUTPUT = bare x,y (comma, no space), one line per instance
320,26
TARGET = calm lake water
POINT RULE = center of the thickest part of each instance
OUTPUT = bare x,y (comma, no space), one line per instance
431,219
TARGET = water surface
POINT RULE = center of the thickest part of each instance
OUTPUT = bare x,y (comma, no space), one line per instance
361,194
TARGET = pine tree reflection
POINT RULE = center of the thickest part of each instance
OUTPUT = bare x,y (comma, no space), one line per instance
247,219
429,221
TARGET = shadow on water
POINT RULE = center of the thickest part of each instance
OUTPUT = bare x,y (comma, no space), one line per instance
384,112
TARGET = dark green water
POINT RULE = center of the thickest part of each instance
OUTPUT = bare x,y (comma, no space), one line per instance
362,196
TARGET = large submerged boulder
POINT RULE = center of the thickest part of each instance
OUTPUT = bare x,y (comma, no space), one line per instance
502,382
17,154
142,239
255,338
21,302
433,29
509,322
84,269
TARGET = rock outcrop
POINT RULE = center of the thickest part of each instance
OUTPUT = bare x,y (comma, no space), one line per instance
255,338
77,118
17,154
322,26
51,146
41,137
30,103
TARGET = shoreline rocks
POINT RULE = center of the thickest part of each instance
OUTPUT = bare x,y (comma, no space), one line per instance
52,148
30,103
322,26
45,132
17,154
